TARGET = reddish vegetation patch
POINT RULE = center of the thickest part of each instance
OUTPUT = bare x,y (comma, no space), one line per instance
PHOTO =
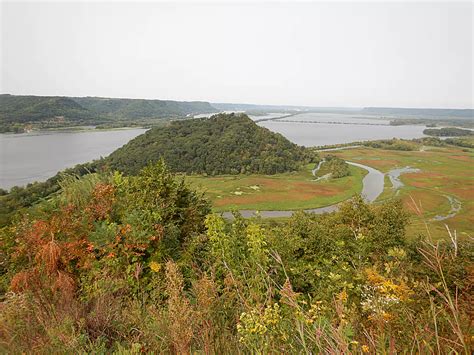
297,191
462,158
462,192
425,179
452,150
426,200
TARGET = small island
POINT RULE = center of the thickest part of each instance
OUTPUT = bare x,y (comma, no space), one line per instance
448,132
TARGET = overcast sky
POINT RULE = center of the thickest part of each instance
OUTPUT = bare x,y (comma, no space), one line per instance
318,54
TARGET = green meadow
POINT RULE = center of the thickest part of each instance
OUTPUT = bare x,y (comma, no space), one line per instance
446,173
288,191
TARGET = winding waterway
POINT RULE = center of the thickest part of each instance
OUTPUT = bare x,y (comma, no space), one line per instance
372,187
394,176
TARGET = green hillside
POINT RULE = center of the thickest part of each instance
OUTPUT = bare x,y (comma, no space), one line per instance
16,112
22,109
139,108
223,144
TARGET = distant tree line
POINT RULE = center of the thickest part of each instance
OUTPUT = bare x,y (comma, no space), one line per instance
392,144
448,132
16,112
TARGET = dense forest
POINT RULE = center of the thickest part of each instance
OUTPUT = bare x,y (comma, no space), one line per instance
392,144
140,108
448,132
18,112
137,264
222,144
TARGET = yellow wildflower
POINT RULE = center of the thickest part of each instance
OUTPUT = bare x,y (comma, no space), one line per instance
155,267
343,296
365,349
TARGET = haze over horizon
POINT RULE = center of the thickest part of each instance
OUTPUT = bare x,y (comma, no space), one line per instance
410,55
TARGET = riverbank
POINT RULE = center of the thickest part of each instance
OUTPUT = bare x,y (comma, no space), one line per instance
372,187
288,191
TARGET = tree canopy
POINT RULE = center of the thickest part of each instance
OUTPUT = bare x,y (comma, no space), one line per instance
59,111
222,144
448,132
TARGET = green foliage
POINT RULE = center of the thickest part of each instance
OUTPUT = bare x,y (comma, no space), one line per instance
222,144
134,264
448,132
139,108
392,144
337,167
54,111
461,142
325,251
19,198
21,109
156,203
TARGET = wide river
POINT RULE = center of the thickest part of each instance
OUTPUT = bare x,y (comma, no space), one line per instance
37,156
318,129
29,157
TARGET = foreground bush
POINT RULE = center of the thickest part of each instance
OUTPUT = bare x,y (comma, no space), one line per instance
137,264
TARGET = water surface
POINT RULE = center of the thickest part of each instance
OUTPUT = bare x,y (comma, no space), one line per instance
37,156
394,176
315,129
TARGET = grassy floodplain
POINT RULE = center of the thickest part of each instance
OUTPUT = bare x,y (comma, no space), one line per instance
288,191
444,172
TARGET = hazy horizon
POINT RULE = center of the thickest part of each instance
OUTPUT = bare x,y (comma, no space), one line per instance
320,54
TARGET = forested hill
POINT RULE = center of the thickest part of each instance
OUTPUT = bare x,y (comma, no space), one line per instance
222,144
22,109
56,111
140,108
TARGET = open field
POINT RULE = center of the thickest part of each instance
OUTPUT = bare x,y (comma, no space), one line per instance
446,173
289,191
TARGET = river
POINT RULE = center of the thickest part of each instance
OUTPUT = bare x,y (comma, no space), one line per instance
37,156
318,129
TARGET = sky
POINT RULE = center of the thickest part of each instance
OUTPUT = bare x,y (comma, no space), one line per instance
327,54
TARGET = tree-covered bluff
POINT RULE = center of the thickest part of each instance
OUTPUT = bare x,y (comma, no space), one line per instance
222,144
20,112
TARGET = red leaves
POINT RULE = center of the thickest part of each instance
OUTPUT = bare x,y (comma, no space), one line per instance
103,198
57,246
